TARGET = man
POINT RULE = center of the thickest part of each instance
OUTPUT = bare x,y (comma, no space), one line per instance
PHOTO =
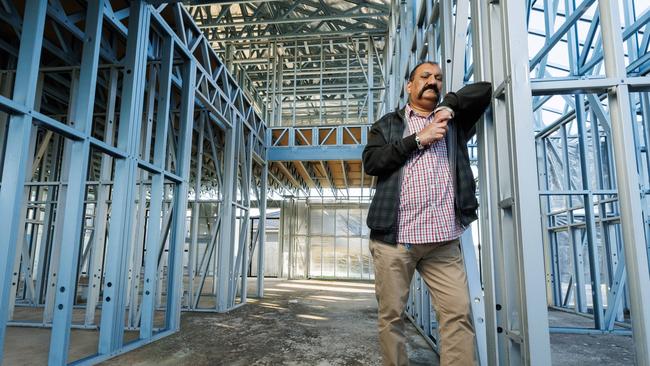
424,200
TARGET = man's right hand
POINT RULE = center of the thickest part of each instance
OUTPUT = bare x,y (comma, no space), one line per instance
436,130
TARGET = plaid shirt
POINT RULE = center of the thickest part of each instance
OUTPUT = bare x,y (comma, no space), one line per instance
387,151
426,212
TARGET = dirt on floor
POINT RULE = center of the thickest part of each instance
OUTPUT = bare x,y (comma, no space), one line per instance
297,323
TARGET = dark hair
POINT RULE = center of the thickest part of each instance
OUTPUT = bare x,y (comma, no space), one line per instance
412,73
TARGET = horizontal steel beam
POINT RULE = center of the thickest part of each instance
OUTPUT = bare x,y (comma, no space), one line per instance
333,103
315,105
579,85
193,3
571,86
639,84
313,42
303,93
312,153
298,36
304,57
329,88
310,19
288,74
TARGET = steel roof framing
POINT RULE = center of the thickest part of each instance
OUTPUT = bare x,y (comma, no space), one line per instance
117,120
127,120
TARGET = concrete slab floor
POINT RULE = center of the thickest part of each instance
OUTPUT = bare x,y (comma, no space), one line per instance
30,346
583,349
26,346
297,323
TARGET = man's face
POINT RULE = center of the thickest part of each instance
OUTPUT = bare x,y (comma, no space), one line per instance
426,85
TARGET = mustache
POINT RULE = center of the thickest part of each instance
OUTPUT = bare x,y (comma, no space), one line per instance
433,87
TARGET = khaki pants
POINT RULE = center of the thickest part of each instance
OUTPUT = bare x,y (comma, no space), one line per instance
441,267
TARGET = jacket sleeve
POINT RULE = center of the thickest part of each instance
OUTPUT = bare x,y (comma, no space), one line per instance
469,103
381,157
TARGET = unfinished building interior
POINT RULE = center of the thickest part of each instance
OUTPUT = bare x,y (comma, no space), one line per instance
161,159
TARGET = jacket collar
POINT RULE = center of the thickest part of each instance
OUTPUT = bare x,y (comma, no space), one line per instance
401,113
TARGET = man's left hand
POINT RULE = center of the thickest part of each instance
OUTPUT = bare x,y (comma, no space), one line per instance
442,115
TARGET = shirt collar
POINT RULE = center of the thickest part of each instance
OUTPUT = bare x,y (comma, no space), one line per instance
410,112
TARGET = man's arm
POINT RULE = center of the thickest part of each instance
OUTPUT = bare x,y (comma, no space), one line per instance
468,104
381,157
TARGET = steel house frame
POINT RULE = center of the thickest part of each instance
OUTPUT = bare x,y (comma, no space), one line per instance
130,194
609,108
95,183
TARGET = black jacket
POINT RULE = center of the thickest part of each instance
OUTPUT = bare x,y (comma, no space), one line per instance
387,151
